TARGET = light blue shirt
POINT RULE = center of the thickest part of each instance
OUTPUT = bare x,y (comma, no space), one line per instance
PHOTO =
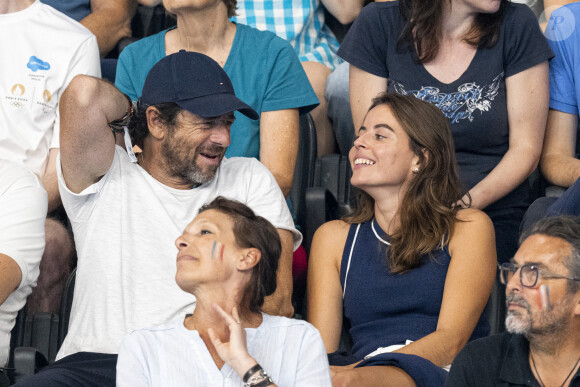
563,35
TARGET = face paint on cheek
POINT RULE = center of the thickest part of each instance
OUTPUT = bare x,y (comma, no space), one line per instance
213,250
545,294
222,254
539,298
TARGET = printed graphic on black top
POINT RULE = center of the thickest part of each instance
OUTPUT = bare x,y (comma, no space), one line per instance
458,105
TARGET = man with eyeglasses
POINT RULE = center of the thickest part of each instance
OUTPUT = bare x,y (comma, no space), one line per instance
542,342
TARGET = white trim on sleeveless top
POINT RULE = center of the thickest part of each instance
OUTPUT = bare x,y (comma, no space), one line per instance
352,249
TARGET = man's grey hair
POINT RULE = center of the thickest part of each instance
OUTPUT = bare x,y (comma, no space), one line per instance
565,227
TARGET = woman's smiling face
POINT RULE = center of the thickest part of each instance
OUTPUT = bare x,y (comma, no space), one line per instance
381,154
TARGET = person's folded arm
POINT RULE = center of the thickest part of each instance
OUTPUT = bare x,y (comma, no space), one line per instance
527,109
558,162
280,303
363,87
49,181
279,133
10,277
110,21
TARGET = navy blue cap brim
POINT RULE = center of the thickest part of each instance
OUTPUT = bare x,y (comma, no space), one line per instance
217,104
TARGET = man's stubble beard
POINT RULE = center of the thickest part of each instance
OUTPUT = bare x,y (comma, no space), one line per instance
518,321
185,167
522,322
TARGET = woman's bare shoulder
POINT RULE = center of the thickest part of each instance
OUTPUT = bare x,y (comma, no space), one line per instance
334,227
473,231
470,217
329,240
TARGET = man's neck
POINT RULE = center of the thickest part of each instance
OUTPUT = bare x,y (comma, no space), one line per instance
10,6
206,31
156,168
553,358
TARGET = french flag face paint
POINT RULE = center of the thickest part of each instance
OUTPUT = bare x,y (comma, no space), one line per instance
545,296
217,246
213,250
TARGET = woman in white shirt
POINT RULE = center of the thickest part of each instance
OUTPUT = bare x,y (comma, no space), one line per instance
227,259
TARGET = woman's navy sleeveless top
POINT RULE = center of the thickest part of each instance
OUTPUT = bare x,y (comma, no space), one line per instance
382,308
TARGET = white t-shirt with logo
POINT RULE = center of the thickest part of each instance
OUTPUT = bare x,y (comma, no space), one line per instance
125,227
41,50
23,204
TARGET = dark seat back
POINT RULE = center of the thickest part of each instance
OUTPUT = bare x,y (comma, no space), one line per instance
304,169
330,196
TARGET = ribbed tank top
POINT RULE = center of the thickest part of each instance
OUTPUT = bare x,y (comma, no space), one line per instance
382,308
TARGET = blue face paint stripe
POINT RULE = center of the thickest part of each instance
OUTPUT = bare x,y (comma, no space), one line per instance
213,250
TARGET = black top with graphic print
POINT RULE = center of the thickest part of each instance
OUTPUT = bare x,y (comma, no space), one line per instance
475,103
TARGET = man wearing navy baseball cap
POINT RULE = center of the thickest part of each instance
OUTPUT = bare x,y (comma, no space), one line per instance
126,210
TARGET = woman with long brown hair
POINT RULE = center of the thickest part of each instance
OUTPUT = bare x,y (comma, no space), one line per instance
484,64
409,269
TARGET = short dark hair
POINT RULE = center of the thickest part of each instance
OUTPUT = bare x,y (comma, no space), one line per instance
251,230
566,227
138,128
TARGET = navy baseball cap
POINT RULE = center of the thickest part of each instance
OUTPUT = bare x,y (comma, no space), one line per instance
196,83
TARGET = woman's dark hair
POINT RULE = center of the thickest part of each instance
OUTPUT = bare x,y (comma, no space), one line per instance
424,20
138,128
254,231
427,212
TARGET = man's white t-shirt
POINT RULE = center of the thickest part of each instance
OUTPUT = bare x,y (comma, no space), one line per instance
41,52
125,227
23,204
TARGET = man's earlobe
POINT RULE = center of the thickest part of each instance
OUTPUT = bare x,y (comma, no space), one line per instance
154,123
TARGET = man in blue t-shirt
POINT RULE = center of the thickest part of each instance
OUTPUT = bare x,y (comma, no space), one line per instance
559,162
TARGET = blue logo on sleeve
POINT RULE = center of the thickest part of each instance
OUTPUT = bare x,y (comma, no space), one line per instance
36,64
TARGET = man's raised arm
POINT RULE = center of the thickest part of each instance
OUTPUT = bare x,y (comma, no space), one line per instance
87,142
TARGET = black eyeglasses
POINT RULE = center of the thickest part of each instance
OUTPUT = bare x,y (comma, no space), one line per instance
529,274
